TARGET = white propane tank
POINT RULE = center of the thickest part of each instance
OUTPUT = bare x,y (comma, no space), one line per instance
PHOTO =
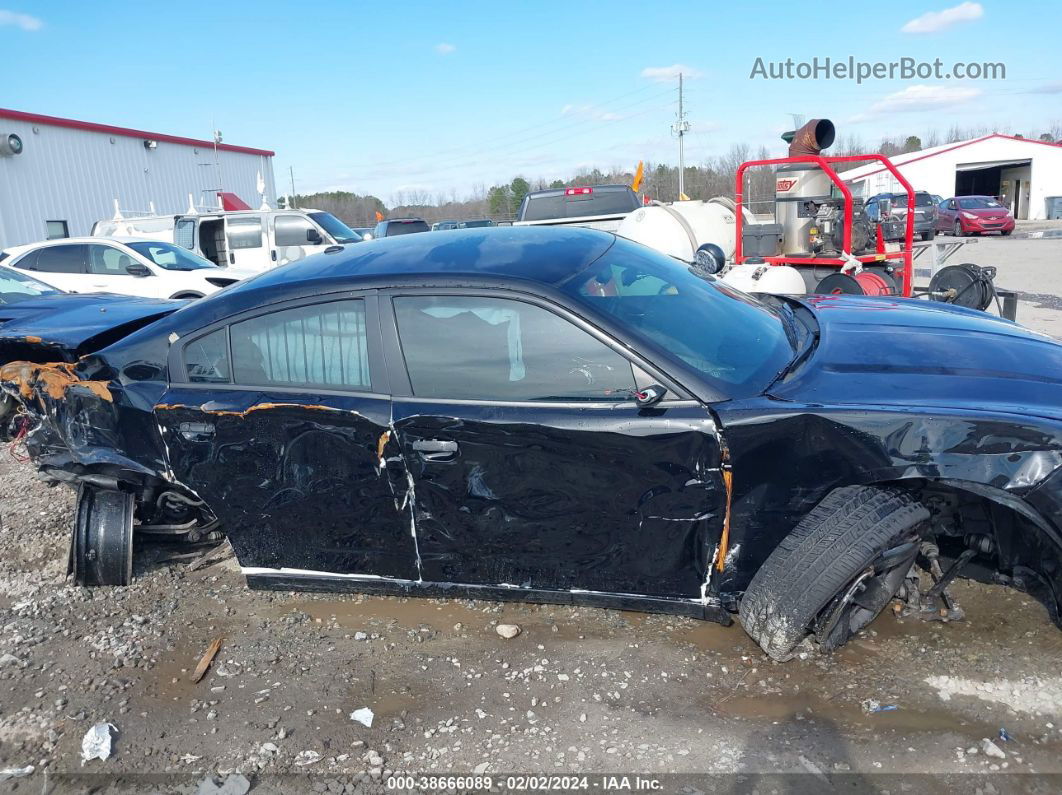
677,229
773,279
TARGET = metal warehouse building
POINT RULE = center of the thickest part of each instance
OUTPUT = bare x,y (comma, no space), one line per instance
1023,173
59,176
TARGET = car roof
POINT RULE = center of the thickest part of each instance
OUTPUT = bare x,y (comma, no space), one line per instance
401,220
538,254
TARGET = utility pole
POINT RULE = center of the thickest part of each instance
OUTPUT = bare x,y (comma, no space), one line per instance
680,128
291,171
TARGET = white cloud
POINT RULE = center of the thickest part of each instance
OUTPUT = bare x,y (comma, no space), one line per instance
918,98
932,21
666,74
445,49
24,21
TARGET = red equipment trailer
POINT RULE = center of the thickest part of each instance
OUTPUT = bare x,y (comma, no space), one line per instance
869,281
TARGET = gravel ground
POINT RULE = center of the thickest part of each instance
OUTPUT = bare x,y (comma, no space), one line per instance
578,690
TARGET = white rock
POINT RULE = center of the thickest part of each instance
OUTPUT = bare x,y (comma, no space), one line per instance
507,631
991,749
363,716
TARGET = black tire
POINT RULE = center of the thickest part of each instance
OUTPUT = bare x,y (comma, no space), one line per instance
929,235
1006,232
101,548
188,295
957,231
820,560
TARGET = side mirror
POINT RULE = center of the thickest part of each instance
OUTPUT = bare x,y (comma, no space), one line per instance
313,236
649,396
138,270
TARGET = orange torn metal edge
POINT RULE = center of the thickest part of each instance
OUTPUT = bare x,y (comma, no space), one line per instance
724,538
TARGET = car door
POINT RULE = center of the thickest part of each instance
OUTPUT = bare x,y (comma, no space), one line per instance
63,266
294,237
531,464
245,240
108,267
279,421
946,216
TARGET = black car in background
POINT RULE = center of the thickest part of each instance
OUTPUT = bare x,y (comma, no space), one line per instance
561,415
895,204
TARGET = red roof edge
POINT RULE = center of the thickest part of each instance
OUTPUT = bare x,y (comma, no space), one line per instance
74,124
959,145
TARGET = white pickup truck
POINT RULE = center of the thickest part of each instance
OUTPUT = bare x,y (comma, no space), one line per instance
597,207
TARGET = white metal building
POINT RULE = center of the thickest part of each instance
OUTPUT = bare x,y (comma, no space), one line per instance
59,176
1021,172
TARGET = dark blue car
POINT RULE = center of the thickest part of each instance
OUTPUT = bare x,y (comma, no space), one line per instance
560,415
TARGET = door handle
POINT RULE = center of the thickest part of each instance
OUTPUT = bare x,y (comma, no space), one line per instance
232,258
435,449
273,255
196,431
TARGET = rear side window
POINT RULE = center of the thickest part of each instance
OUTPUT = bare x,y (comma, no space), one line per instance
184,233
207,359
290,230
61,259
599,202
467,348
323,345
244,232
405,227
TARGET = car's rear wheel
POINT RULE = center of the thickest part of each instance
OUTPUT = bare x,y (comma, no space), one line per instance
835,572
101,550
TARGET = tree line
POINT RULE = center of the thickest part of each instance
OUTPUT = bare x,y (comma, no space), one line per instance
713,177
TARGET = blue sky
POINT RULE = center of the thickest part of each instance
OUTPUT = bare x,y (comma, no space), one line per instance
440,97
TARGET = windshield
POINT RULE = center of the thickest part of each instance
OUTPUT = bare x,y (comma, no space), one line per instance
15,286
336,228
736,343
979,203
170,257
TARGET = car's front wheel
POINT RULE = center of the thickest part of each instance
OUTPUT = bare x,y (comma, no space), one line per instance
957,231
836,571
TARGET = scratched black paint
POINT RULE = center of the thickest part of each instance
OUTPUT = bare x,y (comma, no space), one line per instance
610,506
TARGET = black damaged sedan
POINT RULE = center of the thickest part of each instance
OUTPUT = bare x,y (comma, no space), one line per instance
560,415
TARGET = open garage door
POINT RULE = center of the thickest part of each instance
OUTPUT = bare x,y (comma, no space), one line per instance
1007,180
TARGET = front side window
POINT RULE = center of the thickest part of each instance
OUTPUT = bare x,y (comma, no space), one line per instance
470,348
290,230
735,342
244,232
207,359
339,231
322,345
108,261
61,259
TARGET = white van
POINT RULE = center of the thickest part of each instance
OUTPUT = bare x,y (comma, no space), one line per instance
250,240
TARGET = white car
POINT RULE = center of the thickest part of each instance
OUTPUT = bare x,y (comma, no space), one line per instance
127,266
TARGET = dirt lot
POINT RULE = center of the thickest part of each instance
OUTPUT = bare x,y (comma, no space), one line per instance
578,690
